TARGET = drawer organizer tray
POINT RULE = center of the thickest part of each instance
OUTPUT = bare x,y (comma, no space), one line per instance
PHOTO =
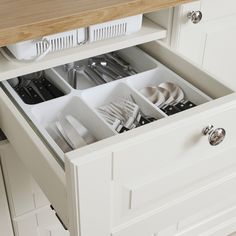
38,48
82,104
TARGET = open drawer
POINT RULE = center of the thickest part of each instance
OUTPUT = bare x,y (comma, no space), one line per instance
126,178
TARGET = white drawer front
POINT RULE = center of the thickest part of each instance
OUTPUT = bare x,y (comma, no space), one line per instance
23,192
170,213
160,165
221,224
40,223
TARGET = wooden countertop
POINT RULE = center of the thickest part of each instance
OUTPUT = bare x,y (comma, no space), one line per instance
29,19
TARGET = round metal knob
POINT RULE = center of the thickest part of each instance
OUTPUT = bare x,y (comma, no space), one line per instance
195,16
215,136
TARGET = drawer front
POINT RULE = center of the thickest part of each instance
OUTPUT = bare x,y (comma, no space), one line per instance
40,223
171,213
5,217
161,168
222,224
24,194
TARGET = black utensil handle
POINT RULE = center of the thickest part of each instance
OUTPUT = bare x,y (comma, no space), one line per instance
170,110
122,129
185,105
141,120
55,92
43,91
34,95
24,96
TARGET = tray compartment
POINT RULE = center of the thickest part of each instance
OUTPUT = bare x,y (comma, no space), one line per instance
130,55
163,75
51,76
46,115
112,93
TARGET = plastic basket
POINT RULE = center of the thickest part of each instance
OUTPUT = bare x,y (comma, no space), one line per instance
115,28
34,49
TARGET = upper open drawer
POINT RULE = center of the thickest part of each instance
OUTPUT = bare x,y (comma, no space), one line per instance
133,161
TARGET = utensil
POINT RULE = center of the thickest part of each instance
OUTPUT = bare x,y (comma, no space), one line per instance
81,130
123,63
155,95
175,91
75,138
63,134
179,102
58,138
107,74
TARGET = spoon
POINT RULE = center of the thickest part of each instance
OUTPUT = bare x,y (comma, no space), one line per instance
157,95
175,91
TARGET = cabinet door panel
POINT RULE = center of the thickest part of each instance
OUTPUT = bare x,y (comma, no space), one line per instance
24,193
211,42
219,55
213,9
221,224
5,218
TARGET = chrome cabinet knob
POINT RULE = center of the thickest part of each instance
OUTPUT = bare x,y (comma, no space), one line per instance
215,136
195,16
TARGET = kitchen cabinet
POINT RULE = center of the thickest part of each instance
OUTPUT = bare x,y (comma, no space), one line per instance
209,43
31,213
5,218
147,181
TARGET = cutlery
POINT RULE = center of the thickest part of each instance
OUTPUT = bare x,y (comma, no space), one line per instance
81,130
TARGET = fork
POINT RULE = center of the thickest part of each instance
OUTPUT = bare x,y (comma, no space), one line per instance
134,111
114,118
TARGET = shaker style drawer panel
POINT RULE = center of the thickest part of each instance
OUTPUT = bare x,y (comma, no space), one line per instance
170,213
157,166
121,139
23,192
40,223
221,224
148,173
167,186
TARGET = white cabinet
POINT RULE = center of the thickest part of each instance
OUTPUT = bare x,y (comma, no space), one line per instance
30,209
143,182
23,193
5,218
42,222
211,42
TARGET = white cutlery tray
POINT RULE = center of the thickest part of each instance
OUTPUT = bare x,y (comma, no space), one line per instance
82,104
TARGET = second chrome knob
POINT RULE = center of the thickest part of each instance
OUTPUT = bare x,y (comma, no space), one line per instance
215,136
195,16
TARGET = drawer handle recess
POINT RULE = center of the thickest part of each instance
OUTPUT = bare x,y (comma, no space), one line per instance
215,136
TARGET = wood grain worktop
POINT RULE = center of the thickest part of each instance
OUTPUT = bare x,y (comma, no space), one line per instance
28,19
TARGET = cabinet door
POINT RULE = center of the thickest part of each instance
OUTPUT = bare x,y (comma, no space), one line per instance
211,42
39,223
5,219
23,192
221,224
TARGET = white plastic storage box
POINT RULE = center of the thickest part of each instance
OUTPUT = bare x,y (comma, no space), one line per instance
36,49
115,28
